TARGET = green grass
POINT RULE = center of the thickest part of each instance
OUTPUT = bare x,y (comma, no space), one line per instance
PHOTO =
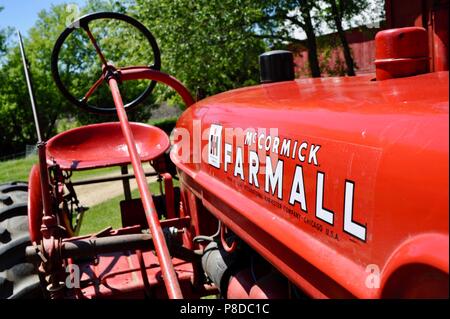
97,217
105,214
79,175
18,170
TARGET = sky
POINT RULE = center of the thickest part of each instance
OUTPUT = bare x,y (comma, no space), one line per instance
22,14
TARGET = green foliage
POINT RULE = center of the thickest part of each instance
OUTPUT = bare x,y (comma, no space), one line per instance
15,106
282,17
167,125
367,12
208,44
79,70
122,45
2,39
336,14
346,9
331,61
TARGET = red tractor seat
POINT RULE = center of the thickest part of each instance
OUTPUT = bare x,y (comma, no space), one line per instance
103,145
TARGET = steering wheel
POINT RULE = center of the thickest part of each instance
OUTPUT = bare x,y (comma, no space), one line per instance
108,69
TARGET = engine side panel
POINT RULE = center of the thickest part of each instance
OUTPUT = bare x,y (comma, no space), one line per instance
326,178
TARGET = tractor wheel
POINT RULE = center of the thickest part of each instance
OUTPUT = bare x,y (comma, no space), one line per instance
18,278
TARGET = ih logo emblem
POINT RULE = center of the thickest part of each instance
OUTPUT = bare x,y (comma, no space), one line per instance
215,145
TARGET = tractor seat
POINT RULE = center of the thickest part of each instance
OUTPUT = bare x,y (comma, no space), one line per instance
103,145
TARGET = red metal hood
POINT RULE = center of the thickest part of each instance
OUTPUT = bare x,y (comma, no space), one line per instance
363,95
373,157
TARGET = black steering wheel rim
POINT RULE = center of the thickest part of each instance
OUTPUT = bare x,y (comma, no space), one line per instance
82,23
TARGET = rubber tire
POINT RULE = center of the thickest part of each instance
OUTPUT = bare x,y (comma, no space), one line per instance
18,278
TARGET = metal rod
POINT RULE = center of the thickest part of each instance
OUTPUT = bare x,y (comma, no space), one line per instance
170,199
180,222
148,290
95,44
109,179
93,88
26,67
91,247
45,187
168,272
126,183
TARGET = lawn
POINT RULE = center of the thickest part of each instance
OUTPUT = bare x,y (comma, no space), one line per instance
106,214
97,217
101,215
18,170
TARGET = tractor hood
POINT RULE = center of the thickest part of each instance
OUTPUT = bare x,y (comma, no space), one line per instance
350,163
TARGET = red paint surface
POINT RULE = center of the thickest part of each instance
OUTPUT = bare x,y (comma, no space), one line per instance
139,73
401,52
35,206
78,148
120,276
429,14
390,138
170,277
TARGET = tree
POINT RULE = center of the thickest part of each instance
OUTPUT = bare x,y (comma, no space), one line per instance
78,63
210,45
281,20
307,26
207,44
15,111
337,11
122,45
3,36
213,46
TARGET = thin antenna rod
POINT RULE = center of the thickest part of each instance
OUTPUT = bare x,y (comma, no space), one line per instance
26,67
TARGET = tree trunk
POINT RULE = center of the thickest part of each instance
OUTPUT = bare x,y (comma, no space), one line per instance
341,33
311,41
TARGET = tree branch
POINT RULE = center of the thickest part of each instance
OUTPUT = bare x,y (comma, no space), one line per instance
280,17
277,37
295,21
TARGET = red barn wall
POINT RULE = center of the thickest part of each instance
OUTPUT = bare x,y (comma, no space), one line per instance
430,14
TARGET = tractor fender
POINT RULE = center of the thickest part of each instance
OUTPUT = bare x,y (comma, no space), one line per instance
35,206
419,258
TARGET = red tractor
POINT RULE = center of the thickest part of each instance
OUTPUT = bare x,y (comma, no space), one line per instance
323,188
